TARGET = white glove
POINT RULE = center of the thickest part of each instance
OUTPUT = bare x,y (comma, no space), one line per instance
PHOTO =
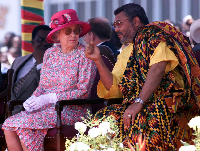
26,105
38,102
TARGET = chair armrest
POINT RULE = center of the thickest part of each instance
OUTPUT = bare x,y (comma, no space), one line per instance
8,82
3,94
12,103
113,101
62,103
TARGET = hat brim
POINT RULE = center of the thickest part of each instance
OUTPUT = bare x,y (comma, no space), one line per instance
195,31
85,28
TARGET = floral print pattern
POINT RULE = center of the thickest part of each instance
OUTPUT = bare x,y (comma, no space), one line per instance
70,76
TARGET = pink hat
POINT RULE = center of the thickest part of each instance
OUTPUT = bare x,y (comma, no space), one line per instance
64,19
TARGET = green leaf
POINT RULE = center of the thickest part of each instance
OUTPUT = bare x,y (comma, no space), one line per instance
184,143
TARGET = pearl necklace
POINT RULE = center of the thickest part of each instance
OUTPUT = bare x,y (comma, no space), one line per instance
66,54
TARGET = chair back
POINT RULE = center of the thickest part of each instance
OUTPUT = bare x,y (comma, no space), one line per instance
197,56
5,93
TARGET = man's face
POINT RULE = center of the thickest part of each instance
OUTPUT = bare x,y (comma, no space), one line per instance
124,28
40,43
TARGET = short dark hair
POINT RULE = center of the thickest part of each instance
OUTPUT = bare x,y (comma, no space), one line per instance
39,27
132,10
100,27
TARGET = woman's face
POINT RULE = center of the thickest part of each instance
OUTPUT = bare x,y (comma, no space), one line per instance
69,36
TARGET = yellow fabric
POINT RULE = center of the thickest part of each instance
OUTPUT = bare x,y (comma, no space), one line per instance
117,72
33,3
26,52
26,36
23,21
163,53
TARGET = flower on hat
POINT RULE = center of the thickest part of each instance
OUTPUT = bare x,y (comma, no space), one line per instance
67,16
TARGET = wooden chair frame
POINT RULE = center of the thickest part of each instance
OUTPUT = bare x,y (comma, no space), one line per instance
58,142
5,95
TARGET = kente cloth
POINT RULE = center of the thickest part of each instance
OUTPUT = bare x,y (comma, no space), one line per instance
164,117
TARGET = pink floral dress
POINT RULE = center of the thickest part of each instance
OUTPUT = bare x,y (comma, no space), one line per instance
70,76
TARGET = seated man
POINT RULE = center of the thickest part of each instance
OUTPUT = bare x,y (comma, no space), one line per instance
159,85
25,80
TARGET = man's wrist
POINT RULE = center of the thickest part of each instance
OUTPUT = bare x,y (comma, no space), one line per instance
138,100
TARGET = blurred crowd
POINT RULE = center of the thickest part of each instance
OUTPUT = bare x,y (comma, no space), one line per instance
10,49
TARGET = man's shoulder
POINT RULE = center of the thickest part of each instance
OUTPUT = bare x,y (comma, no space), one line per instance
20,60
23,57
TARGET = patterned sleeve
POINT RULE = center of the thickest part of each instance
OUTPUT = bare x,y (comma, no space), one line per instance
87,73
54,77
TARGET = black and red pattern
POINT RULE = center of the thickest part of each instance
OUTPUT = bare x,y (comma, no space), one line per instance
163,120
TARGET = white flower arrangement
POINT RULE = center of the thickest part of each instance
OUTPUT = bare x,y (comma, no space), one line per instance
102,136
195,125
187,148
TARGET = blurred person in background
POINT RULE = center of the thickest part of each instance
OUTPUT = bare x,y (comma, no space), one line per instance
5,46
7,42
15,50
115,41
4,62
187,21
195,38
100,35
195,35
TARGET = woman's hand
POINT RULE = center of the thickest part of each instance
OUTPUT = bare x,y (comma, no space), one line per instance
33,104
92,52
26,104
130,114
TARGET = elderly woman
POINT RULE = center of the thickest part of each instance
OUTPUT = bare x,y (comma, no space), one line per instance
66,74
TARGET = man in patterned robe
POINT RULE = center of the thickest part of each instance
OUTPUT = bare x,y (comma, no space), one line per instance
160,86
